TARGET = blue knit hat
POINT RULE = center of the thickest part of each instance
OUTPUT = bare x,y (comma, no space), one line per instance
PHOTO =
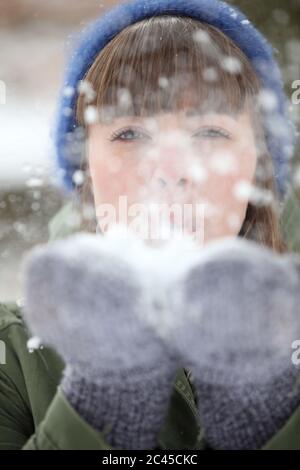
279,130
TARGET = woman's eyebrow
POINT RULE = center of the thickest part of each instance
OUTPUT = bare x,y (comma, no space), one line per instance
198,112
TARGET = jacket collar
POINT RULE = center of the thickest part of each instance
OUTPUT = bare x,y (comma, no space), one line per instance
64,222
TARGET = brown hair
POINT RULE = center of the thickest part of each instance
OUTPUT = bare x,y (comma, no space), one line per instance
190,54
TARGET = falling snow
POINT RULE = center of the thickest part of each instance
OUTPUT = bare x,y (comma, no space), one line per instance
33,344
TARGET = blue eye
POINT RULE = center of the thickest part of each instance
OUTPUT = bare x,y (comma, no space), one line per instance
128,135
212,133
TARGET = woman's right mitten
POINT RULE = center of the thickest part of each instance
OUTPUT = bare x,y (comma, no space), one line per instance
88,303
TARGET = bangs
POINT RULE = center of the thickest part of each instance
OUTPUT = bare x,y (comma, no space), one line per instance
166,64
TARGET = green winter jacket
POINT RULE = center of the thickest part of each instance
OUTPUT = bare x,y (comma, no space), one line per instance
35,414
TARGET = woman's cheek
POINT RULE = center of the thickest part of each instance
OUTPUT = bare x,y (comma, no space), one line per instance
222,196
115,178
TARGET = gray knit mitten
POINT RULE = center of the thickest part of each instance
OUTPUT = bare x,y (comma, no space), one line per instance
237,313
88,303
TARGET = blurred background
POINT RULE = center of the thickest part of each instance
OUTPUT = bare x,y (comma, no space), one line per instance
34,36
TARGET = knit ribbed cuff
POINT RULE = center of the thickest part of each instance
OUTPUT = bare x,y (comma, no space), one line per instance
129,413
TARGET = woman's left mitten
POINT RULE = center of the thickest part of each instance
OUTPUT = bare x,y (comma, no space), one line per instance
236,314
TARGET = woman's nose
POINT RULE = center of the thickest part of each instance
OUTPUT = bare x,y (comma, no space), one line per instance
170,176
165,182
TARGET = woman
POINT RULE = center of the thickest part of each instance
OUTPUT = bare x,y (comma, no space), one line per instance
191,90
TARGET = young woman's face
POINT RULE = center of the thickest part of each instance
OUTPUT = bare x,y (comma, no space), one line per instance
202,164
